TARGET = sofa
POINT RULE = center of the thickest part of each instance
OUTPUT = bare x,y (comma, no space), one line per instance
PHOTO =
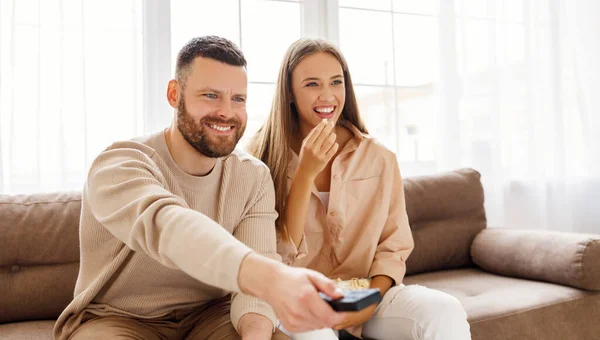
513,284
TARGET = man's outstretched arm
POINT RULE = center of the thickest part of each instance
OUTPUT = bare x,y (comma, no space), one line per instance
127,194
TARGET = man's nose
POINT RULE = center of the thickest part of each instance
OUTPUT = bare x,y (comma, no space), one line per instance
226,109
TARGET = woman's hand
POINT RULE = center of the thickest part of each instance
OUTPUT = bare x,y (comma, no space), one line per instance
356,318
317,149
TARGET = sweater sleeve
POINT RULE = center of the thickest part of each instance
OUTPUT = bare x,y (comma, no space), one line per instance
257,230
289,252
128,196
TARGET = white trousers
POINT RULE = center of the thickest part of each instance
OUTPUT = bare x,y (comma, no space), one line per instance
409,312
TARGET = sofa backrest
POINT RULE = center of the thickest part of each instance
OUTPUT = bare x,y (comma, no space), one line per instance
446,212
39,254
39,240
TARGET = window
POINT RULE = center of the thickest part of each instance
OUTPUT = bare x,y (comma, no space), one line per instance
263,29
70,84
438,82
494,78
393,55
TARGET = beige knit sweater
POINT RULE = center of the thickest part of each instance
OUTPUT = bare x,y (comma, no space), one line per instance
156,239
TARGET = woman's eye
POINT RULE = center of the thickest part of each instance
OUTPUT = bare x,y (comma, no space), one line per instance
337,82
311,84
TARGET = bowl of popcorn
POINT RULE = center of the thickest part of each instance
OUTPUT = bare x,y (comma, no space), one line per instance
352,284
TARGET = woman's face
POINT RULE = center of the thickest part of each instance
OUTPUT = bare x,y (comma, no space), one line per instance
318,88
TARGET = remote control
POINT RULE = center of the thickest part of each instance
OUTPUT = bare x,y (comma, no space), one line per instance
354,300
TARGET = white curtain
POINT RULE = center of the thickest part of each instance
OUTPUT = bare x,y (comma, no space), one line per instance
70,84
533,128
508,87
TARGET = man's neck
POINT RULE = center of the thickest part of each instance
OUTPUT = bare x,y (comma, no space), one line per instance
186,157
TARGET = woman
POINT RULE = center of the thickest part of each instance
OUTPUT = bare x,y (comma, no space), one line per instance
340,198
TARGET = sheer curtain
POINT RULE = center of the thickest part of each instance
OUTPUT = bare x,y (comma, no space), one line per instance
528,118
76,75
508,87
70,80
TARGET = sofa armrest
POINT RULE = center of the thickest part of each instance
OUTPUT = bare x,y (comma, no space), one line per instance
570,259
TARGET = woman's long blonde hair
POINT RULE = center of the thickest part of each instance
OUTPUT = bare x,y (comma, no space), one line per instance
272,143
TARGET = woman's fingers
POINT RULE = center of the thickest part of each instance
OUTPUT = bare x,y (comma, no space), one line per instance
332,150
325,133
328,143
315,133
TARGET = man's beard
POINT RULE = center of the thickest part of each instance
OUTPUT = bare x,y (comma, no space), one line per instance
196,135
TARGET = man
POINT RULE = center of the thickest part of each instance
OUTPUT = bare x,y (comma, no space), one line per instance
172,223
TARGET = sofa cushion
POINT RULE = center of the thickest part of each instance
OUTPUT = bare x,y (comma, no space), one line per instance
508,308
571,259
39,256
32,330
446,212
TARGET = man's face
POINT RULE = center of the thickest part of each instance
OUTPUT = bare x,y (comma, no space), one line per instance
211,112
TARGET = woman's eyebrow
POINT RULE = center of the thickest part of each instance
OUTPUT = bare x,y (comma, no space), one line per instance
315,78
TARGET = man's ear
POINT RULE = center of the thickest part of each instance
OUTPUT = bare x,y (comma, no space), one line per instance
173,94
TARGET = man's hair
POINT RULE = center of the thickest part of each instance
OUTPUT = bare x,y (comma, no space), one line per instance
210,46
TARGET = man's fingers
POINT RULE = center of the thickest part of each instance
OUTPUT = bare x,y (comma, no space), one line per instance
325,313
325,285
305,310
312,318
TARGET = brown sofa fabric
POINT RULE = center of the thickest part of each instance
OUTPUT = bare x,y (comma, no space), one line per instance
571,259
31,330
446,212
39,256
500,308
39,259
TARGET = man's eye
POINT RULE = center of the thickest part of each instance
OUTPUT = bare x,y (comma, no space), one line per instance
239,99
210,95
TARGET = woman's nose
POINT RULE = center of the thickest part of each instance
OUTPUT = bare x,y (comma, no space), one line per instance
326,94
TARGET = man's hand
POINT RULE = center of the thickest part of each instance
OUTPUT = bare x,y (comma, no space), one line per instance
295,299
356,318
254,326
292,292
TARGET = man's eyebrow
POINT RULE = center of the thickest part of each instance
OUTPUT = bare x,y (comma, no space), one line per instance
210,89
207,89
